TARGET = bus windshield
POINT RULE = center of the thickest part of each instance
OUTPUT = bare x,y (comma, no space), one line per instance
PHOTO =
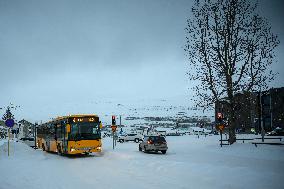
85,131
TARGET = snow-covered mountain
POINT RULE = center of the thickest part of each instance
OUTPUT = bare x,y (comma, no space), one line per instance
106,107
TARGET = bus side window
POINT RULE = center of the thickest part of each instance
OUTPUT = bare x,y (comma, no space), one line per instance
51,130
60,131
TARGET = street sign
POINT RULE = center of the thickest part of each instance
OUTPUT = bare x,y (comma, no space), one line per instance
113,128
9,123
221,127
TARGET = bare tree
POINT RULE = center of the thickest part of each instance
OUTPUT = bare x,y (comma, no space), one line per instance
230,49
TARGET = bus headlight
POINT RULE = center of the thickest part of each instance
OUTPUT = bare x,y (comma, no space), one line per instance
72,150
99,148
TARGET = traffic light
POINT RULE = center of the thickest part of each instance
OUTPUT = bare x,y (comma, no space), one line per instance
219,117
113,122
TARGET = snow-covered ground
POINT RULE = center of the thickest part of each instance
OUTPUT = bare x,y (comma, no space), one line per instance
190,162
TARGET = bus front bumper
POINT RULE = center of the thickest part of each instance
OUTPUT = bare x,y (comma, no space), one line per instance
82,150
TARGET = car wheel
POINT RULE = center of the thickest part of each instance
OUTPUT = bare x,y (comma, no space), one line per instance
136,140
140,149
145,151
164,151
121,140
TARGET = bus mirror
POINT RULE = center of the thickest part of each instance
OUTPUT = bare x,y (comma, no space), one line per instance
68,128
101,125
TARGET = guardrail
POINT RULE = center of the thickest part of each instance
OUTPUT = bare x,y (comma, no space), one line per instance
269,143
255,143
243,139
279,138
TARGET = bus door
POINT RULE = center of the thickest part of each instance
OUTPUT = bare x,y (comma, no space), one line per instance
65,145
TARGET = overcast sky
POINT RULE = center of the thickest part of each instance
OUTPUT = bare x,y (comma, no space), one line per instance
56,52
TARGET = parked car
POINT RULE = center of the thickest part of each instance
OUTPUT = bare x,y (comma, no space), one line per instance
276,132
173,134
28,141
154,143
214,132
130,137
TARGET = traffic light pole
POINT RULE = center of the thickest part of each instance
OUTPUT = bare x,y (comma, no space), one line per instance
221,138
115,139
113,128
112,140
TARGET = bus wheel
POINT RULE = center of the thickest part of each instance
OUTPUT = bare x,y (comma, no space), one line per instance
59,151
43,148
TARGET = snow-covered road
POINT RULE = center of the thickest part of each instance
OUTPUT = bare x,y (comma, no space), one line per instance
189,163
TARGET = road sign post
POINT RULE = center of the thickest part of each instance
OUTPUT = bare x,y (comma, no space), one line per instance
220,127
9,123
9,142
113,140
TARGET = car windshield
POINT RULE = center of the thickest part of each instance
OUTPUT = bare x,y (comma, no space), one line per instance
85,131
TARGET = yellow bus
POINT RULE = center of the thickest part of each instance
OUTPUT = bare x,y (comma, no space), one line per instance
73,134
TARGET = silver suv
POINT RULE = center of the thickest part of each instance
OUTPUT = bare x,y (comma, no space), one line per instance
154,143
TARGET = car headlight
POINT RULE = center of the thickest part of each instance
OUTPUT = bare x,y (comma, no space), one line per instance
72,150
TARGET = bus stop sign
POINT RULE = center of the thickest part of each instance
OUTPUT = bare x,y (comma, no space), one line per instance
9,123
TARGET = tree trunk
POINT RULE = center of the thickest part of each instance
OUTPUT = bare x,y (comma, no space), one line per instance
232,125
232,133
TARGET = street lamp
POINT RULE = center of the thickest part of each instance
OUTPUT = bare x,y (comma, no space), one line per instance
261,119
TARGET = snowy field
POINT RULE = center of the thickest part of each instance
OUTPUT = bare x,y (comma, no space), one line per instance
189,163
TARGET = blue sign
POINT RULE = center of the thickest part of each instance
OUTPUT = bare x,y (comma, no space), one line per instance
9,122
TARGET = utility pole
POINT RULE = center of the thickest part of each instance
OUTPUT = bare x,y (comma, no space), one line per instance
35,133
251,110
271,114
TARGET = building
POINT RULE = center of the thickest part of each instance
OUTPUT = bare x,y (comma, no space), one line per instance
27,128
251,109
272,102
